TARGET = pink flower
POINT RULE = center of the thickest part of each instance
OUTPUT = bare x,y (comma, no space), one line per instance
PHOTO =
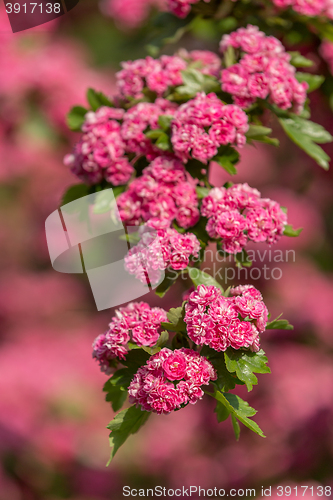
154,385
213,319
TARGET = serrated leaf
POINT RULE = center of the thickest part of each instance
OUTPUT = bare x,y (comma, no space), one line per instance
225,381
313,81
240,409
305,142
164,121
75,118
300,61
135,359
279,324
74,193
116,395
199,277
245,364
290,231
124,424
311,129
176,320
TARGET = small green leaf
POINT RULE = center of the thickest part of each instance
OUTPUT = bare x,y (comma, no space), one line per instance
257,130
240,409
169,280
163,142
135,359
314,81
225,381
300,61
163,339
279,324
176,320
235,426
229,56
290,231
246,364
74,193
154,134
225,163
116,395
202,192
199,277
97,99
242,259
75,118
164,122
124,424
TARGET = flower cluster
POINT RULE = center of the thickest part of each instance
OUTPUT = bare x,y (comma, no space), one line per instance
158,250
203,124
221,322
164,192
263,71
100,152
181,8
158,75
170,380
307,8
137,322
238,214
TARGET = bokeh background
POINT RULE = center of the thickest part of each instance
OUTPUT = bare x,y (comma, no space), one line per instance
53,417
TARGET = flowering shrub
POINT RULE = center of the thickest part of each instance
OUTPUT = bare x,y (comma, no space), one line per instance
153,142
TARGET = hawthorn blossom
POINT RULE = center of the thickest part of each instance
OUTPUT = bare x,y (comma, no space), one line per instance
221,322
164,192
156,252
262,71
137,322
204,123
238,214
170,380
100,153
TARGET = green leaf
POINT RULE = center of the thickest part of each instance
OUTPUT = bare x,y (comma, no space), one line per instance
154,134
229,56
290,231
124,424
195,81
240,409
176,320
257,130
103,201
302,135
163,339
314,81
135,359
225,381
242,259
97,99
202,192
163,142
300,61
235,426
311,129
225,163
199,277
169,280
123,377
221,412
279,324
164,122
75,118
116,395
74,193
246,364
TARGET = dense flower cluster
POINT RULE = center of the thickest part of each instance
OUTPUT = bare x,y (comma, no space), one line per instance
137,322
164,192
263,71
100,152
221,322
238,214
203,124
109,134
170,380
181,7
158,250
157,75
